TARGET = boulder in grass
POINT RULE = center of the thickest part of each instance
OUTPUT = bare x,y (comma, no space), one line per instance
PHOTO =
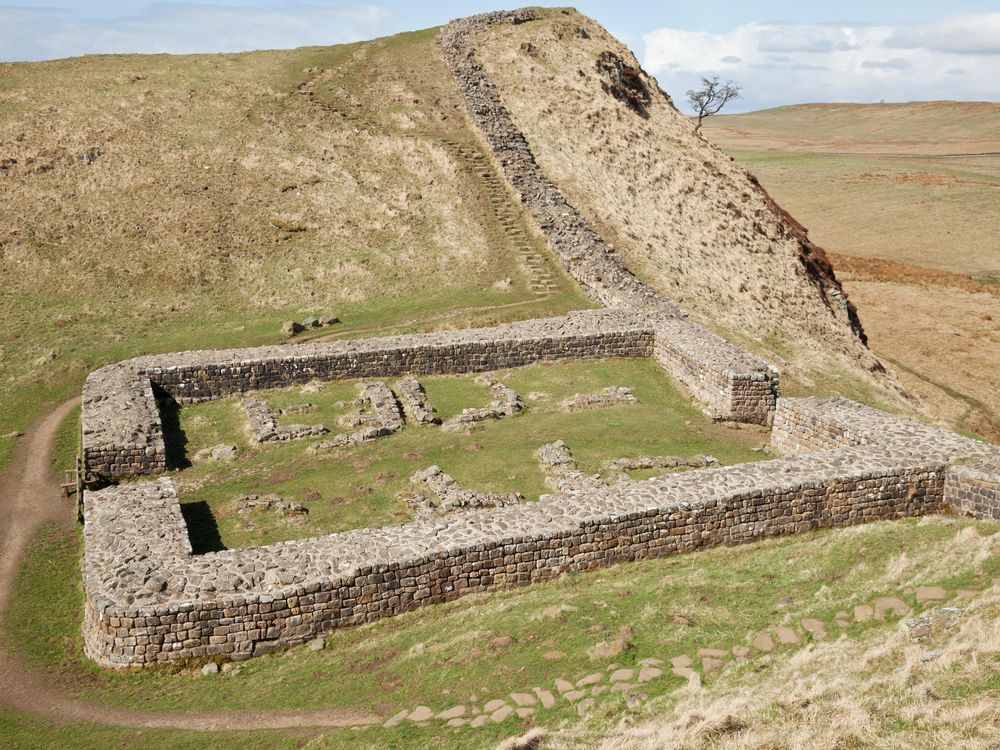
291,327
329,320
311,323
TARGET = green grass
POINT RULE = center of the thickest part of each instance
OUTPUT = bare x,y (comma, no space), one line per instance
441,655
358,486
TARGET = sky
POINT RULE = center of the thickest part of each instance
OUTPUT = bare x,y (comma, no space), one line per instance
780,52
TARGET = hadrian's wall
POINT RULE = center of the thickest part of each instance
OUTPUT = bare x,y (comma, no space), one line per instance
735,384
122,430
238,603
150,600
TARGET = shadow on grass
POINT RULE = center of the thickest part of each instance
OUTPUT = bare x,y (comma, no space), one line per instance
203,531
174,439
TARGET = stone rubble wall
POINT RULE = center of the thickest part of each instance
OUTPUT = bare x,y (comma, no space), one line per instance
735,384
506,402
973,488
263,425
164,604
561,472
613,395
418,408
452,496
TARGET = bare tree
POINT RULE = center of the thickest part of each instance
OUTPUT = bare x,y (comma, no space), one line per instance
711,97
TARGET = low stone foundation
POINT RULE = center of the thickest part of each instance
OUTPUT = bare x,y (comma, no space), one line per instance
122,428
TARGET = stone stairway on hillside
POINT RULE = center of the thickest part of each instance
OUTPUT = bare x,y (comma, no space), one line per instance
507,215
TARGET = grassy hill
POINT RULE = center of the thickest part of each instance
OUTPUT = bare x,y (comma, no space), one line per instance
161,203
909,231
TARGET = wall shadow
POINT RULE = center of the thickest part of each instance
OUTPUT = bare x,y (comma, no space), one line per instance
203,531
174,440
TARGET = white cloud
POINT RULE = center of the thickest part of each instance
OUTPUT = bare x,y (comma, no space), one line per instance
963,35
46,33
954,58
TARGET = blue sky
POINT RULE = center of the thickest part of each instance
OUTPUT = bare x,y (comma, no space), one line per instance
781,52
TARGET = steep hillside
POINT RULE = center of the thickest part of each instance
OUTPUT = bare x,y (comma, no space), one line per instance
683,216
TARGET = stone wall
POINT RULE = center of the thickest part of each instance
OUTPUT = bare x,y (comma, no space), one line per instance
123,434
734,384
150,600
167,604
122,428
973,488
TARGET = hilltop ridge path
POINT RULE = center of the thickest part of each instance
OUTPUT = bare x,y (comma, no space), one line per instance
29,497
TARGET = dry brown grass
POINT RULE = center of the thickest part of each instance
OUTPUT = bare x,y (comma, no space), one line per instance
883,690
682,214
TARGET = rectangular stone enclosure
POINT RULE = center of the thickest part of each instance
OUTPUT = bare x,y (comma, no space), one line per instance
150,600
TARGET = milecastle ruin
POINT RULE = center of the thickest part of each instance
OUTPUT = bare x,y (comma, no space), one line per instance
149,599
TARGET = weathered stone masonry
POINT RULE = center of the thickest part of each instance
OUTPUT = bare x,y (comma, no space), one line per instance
735,384
150,600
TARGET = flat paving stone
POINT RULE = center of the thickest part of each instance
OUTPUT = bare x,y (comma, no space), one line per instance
598,689
452,713
863,612
524,699
524,712
421,713
393,721
741,652
651,662
622,675
456,722
479,721
816,628
493,705
763,642
963,595
710,664
584,706
681,661
649,673
930,594
787,636
715,653
500,714
684,672
621,687
547,699
590,679
574,695
564,686
886,604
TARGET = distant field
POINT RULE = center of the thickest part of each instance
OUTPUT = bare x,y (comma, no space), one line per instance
912,233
